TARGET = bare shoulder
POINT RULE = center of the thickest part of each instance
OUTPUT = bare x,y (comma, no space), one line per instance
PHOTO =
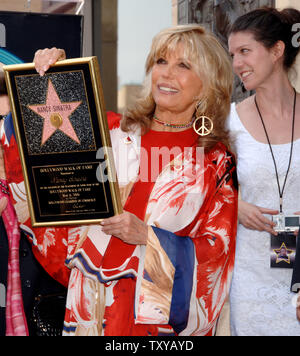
246,103
298,97
245,107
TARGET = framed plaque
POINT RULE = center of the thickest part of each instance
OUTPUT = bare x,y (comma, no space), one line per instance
61,126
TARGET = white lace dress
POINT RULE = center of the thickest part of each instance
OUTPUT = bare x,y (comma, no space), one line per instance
260,298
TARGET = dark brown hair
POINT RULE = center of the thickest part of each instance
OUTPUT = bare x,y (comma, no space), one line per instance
268,25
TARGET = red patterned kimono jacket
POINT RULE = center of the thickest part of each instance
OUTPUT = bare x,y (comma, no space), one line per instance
175,285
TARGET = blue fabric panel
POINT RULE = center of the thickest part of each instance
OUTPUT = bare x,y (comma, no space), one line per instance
181,252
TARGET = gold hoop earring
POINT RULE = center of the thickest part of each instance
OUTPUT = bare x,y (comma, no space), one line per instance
203,126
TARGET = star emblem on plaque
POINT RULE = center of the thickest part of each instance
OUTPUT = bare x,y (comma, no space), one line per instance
56,115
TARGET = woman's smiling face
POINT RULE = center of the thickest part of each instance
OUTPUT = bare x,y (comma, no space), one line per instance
252,61
176,86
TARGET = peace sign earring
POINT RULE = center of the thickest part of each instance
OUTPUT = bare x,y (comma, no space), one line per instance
203,125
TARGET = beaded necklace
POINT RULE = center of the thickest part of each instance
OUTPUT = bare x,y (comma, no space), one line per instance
174,126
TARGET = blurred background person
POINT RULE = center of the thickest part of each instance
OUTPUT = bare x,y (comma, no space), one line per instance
34,302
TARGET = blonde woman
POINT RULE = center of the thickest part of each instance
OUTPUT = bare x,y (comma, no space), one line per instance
164,266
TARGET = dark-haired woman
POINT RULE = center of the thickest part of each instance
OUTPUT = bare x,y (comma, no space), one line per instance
266,132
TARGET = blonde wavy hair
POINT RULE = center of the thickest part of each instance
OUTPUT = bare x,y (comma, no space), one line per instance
210,61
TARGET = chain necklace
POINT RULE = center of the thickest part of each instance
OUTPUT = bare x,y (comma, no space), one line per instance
174,126
291,150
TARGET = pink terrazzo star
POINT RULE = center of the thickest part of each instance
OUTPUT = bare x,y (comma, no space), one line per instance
56,115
